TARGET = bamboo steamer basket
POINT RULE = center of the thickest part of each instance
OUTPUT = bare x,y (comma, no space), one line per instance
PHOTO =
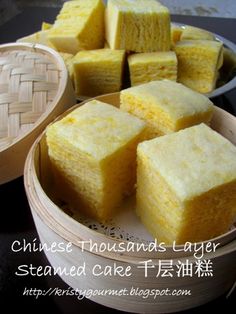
34,89
54,225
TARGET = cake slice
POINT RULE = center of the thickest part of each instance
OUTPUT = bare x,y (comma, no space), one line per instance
93,155
186,185
195,33
68,59
79,25
40,37
98,71
138,26
152,66
46,26
175,31
166,106
198,63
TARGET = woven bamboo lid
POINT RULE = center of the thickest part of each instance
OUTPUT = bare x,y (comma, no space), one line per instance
34,89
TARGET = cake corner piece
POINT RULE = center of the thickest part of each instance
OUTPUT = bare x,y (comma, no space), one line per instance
93,156
166,106
195,172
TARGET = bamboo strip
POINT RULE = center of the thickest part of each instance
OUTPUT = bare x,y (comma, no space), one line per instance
33,84
26,77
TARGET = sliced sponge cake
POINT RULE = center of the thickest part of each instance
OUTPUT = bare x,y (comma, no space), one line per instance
93,155
186,185
152,66
98,71
166,106
195,33
139,26
198,63
79,25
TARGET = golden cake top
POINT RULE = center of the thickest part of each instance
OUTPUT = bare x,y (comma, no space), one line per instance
73,17
98,129
80,4
209,45
191,32
104,54
159,56
70,27
173,98
192,161
143,6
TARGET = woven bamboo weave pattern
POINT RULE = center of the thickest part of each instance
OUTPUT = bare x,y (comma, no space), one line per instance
28,84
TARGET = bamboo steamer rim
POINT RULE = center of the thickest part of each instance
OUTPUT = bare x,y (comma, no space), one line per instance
67,227
57,60
48,92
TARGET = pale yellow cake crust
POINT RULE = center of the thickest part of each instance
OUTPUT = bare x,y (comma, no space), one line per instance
166,106
198,63
186,185
93,156
98,71
139,26
193,161
146,67
78,26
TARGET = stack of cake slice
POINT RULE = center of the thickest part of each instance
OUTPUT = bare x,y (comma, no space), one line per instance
147,67
79,25
138,26
186,185
198,63
93,156
166,106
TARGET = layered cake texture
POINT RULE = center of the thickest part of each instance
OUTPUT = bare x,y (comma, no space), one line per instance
98,71
166,106
93,156
199,62
153,66
138,26
186,185
79,26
